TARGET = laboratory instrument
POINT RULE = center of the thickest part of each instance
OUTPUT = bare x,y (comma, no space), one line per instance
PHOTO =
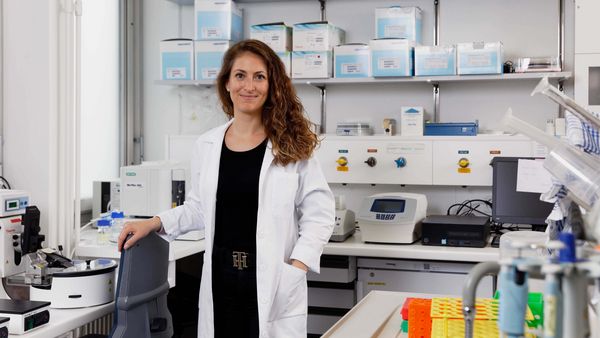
453,230
344,226
392,217
106,196
70,284
24,315
353,129
152,187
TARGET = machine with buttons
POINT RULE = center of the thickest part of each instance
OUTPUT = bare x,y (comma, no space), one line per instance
437,160
13,205
376,159
392,217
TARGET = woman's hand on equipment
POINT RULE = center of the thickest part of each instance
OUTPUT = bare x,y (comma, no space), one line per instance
139,230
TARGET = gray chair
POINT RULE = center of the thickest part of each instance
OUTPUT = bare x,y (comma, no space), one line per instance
142,288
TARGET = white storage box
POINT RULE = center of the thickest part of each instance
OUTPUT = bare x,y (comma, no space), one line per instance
435,60
177,59
391,57
411,121
479,58
209,58
286,58
398,22
217,20
352,60
306,65
317,36
277,35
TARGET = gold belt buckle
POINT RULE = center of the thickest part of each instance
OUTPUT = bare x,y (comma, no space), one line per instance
239,260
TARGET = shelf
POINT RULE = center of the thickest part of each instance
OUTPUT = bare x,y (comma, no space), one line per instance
424,79
191,2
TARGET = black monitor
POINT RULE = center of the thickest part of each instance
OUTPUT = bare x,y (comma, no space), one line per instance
510,205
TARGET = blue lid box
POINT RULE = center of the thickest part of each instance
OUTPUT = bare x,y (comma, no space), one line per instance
276,35
479,58
317,36
398,22
435,60
209,58
177,59
352,61
392,57
217,20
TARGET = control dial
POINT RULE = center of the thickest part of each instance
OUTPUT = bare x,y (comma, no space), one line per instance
371,161
342,161
463,162
400,162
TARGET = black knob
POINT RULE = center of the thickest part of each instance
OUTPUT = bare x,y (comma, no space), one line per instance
371,161
15,244
15,236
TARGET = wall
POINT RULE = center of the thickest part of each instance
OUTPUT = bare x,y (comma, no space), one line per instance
29,35
527,28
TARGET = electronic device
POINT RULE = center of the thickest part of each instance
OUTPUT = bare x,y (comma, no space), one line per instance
13,202
510,205
344,226
24,315
454,230
152,187
392,217
80,284
105,192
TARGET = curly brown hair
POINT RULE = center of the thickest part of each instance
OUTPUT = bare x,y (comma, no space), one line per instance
283,117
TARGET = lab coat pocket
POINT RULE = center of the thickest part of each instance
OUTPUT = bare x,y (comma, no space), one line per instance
283,194
291,294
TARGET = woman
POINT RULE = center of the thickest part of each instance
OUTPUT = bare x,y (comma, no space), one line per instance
262,199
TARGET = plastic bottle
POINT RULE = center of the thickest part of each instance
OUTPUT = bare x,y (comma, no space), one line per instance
118,219
104,227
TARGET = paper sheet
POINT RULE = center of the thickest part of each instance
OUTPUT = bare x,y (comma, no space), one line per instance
532,176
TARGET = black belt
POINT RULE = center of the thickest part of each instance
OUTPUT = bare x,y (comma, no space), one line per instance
235,259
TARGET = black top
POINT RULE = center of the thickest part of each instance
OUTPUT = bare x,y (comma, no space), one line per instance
237,198
20,307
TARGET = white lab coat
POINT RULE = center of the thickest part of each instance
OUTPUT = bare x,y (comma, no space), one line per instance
296,212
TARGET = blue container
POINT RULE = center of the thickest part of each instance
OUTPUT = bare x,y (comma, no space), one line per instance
451,129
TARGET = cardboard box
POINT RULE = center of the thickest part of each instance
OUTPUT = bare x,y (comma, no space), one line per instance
277,35
311,65
177,59
352,60
317,36
479,58
398,22
411,121
217,20
392,57
209,58
435,60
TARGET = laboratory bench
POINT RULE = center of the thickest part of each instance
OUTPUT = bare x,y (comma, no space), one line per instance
354,246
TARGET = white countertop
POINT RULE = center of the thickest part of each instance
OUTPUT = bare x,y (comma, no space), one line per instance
88,247
354,246
65,320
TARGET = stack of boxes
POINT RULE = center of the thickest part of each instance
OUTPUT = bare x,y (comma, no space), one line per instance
218,24
313,48
279,37
397,31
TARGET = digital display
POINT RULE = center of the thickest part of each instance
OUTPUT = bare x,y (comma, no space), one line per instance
12,204
388,206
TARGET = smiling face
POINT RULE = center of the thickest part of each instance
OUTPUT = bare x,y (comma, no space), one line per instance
248,84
